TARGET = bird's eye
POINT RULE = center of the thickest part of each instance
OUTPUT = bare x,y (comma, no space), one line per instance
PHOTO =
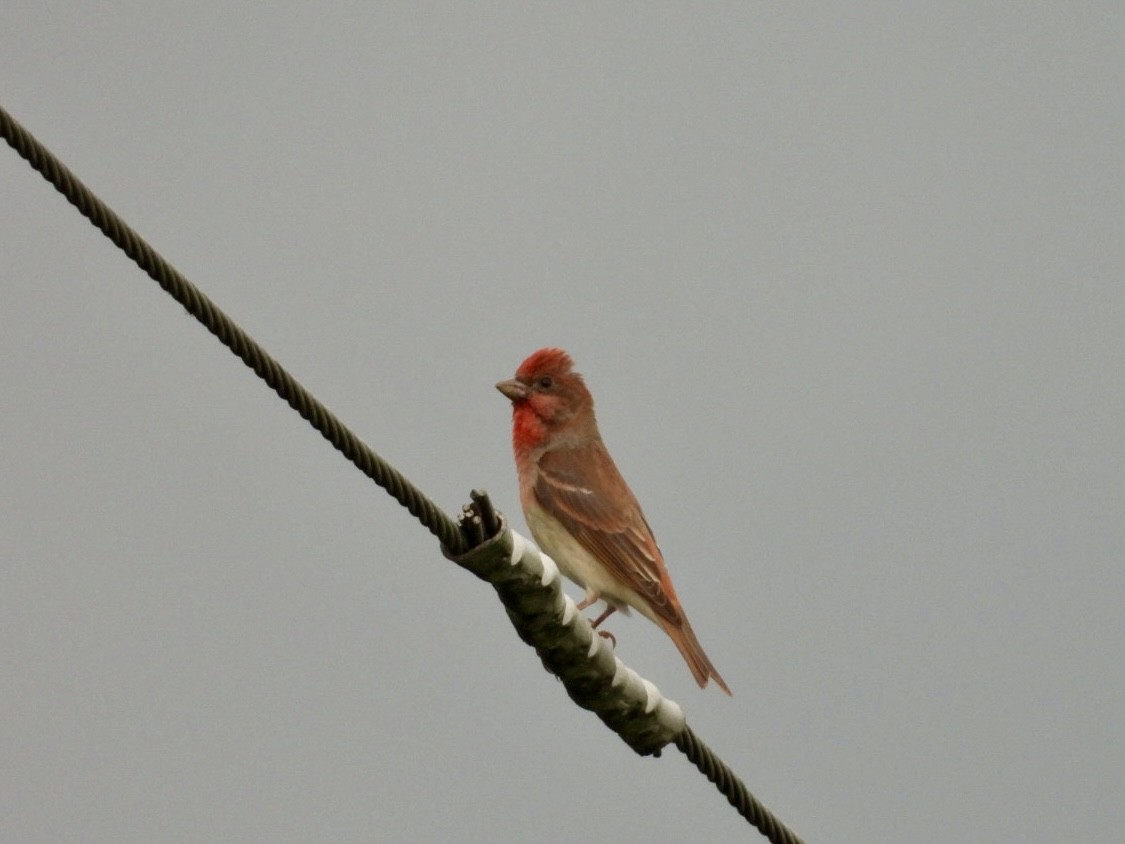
545,382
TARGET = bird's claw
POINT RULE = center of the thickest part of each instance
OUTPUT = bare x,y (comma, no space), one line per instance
605,634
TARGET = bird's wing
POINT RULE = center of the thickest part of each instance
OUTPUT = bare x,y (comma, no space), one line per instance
583,489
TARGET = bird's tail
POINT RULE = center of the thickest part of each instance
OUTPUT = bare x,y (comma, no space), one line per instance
684,638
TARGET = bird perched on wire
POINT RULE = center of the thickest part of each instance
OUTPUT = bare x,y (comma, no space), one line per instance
579,508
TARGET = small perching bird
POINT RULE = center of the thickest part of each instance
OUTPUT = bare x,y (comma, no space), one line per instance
579,508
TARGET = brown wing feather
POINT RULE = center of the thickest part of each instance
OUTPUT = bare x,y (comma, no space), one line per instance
580,488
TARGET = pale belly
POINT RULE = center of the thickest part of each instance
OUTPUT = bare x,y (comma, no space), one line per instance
579,565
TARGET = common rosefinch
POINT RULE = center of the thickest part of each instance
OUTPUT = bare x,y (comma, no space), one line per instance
579,508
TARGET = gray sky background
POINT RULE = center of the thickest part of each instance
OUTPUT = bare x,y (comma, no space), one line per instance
845,279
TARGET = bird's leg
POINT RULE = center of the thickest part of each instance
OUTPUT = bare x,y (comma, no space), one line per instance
588,600
610,609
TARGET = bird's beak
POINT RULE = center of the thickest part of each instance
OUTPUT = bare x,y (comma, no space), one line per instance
513,389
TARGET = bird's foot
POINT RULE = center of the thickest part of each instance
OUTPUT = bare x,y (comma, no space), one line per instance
605,634
609,610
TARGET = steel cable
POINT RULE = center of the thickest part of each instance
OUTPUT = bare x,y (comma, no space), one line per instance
731,787
230,334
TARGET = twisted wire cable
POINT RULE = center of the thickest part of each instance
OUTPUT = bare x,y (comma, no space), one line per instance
230,334
731,787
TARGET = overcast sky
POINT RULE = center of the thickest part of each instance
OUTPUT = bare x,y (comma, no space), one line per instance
845,280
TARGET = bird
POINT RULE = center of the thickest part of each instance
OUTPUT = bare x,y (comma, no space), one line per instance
581,511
